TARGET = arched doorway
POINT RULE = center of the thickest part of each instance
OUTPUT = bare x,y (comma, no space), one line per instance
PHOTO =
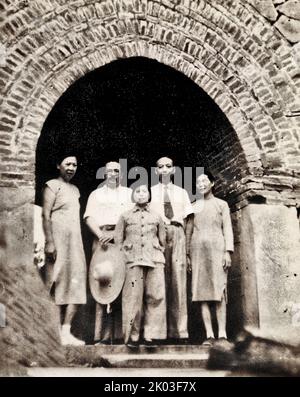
128,105
229,49
137,109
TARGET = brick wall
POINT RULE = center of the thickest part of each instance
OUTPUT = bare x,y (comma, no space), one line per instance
234,51
244,54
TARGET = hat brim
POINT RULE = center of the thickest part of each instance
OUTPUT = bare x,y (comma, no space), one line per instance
106,294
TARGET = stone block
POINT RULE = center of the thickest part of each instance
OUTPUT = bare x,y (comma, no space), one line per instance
269,254
266,8
257,353
290,28
31,333
290,8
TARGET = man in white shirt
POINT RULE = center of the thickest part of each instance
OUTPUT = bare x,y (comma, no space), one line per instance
104,207
172,203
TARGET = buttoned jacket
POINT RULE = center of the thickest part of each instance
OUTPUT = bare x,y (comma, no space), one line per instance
140,233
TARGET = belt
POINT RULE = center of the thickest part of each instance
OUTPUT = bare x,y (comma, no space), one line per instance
108,227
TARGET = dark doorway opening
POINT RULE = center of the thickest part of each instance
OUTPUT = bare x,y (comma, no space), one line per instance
135,109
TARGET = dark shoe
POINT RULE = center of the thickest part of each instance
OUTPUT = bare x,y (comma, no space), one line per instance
184,341
106,342
208,342
150,343
102,342
132,344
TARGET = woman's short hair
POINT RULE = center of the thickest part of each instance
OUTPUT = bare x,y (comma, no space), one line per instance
61,156
136,185
209,175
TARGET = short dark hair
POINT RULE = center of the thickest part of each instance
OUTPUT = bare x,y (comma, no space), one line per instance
61,156
209,175
136,186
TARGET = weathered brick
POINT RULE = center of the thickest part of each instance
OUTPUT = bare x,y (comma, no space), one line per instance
213,43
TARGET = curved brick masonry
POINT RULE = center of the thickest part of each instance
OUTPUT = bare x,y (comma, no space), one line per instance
227,48
244,54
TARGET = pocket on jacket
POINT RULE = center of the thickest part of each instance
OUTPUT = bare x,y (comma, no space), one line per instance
159,247
132,223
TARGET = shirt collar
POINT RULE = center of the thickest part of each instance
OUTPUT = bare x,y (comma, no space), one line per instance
136,208
109,189
168,185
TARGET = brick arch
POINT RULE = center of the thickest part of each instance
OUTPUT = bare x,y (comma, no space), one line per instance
229,50
56,87
226,47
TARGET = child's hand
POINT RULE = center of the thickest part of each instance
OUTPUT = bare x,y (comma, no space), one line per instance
227,261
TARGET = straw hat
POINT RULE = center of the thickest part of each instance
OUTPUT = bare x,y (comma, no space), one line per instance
106,274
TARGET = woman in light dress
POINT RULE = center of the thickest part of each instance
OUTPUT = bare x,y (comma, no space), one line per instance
65,259
209,245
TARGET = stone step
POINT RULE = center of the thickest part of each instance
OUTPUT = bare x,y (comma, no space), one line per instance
156,360
120,356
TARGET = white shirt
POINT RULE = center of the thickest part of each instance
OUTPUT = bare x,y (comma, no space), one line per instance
179,199
105,205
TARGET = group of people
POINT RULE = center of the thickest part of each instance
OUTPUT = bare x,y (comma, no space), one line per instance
153,236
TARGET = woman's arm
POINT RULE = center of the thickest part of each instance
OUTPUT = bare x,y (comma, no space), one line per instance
189,228
228,236
48,202
189,232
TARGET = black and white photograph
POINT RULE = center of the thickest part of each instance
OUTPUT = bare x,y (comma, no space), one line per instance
150,190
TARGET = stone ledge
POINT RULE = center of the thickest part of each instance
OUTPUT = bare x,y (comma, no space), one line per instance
118,356
155,360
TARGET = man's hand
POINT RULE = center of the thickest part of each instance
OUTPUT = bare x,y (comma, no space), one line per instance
50,251
104,239
227,261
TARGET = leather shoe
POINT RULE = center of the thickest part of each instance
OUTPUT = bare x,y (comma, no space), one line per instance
132,344
149,343
208,342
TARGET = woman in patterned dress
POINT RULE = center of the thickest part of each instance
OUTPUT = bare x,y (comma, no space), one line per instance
65,259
